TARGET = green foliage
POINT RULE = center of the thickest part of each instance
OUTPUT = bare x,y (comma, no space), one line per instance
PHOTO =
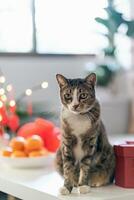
114,20
112,23
104,75
130,30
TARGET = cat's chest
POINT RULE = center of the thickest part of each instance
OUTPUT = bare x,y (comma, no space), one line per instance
78,124
78,150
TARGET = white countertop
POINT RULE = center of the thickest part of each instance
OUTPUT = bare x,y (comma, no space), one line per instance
44,184
41,184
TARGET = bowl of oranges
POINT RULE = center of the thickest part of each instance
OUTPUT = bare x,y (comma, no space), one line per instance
26,153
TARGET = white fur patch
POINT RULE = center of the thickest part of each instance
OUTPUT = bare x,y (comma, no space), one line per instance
75,100
84,189
79,125
64,191
78,152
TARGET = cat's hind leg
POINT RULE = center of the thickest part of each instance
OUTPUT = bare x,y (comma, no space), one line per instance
99,178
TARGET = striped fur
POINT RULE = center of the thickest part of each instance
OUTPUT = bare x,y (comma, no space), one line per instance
85,157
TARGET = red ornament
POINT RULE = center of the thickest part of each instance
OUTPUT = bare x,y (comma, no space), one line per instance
27,130
4,117
45,129
12,109
13,122
52,142
1,131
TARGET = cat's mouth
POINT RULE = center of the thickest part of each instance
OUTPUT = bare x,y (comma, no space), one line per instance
74,110
79,110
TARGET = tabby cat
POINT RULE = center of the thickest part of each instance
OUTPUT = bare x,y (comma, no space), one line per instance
85,157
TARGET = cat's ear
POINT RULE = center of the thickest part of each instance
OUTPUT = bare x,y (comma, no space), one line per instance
62,81
91,79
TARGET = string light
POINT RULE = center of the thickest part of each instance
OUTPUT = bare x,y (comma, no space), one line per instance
3,97
9,87
28,92
2,79
44,85
2,91
1,104
12,103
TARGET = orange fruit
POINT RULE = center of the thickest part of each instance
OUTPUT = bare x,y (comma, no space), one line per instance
17,143
34,143
18,154
45,151
6,152
37,153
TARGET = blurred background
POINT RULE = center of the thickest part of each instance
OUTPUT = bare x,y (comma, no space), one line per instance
40,38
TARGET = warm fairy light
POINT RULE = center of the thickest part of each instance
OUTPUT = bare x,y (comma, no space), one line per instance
2,79
3,97
1,104
12,103
28,92
44,85
1,118
9,87
2,91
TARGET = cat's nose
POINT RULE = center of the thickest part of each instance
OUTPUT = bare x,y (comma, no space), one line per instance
75,106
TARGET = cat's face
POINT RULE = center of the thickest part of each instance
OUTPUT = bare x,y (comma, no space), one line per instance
77,95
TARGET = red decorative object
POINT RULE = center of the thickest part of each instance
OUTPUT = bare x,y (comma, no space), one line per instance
13,122
3,114
45,129
1,131
52,141
27,130
12,108
124,173
30,108
4,119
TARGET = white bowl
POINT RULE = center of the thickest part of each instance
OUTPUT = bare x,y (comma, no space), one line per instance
35,162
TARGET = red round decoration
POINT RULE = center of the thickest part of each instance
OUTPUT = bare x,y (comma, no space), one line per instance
52,142
44,126
27,130
45,129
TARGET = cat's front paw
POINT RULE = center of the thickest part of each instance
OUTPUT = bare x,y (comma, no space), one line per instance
64,191
83,189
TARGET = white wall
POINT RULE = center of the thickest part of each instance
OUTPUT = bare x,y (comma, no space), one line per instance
24,72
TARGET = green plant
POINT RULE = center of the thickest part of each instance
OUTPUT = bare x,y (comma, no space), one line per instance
112,23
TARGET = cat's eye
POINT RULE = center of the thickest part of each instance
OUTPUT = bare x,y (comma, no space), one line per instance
83,95
67,96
